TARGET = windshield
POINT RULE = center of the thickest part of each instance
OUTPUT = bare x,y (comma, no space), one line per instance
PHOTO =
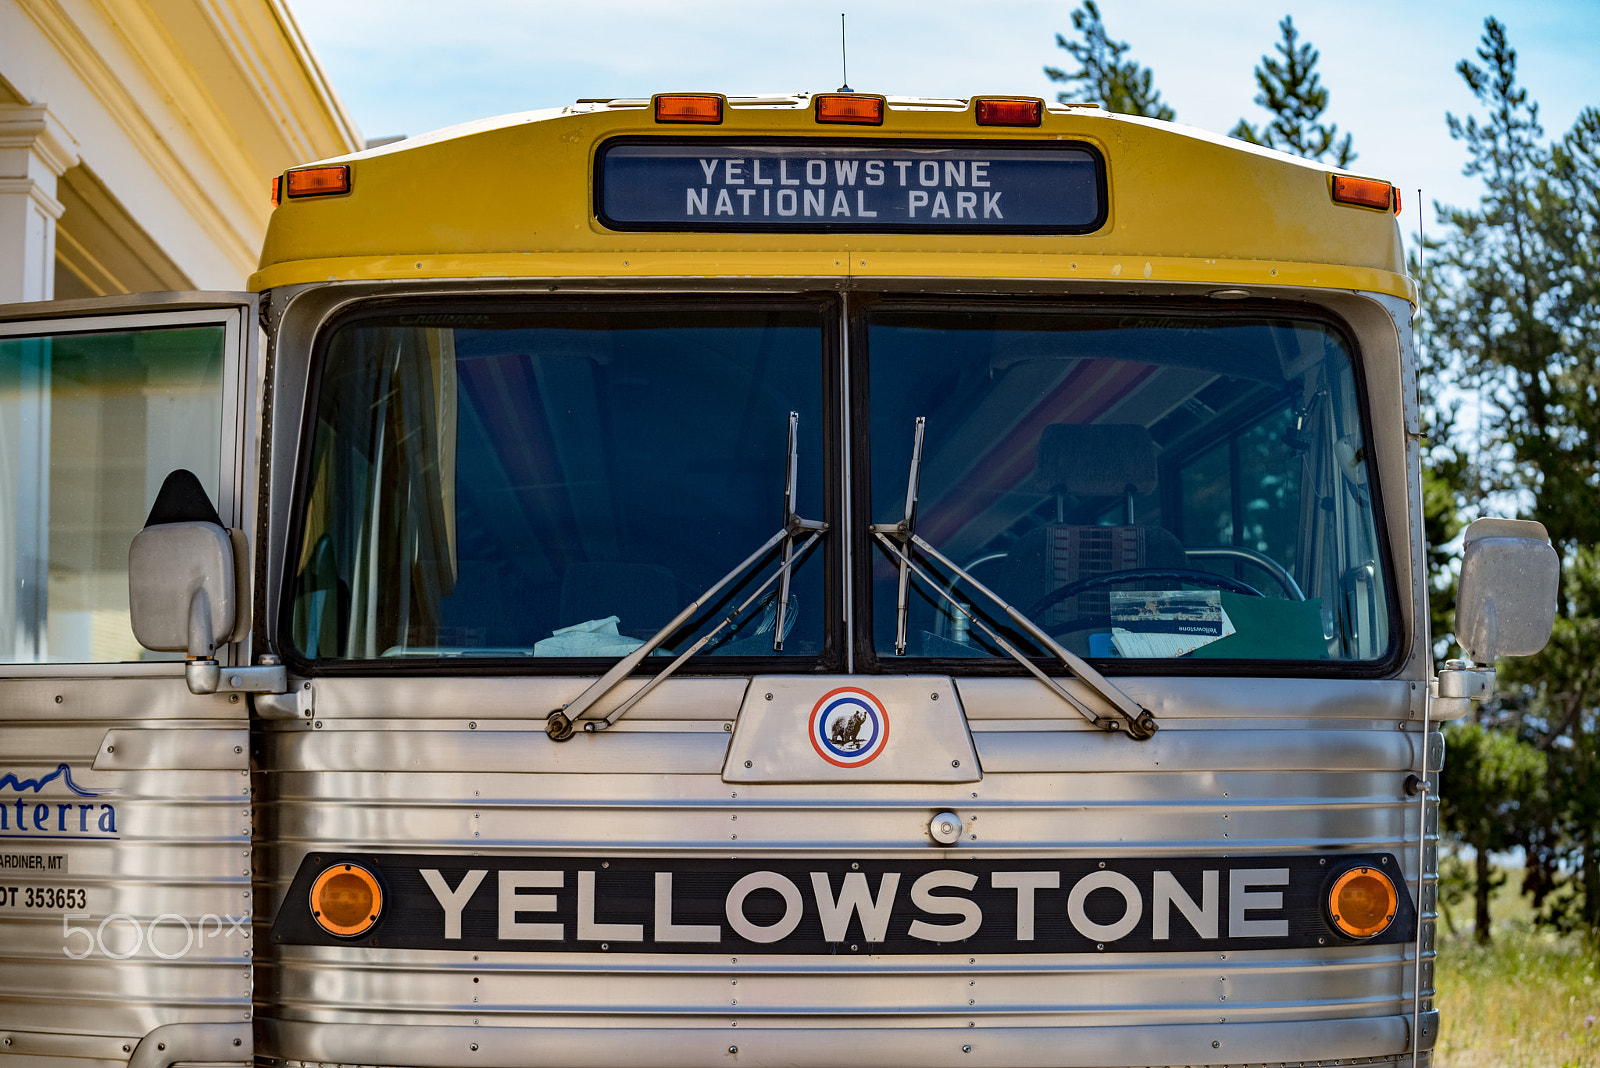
1141,485
557,483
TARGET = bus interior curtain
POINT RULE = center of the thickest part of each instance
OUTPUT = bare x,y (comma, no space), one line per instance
408,560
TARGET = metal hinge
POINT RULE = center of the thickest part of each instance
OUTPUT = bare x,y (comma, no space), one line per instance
299,703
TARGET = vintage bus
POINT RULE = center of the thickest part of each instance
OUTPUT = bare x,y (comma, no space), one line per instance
793,580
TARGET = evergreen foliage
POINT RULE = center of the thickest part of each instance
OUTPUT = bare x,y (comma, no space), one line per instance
1512,313
1102,75
1491,795
1291,89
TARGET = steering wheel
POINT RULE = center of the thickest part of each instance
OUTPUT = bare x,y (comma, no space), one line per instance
1115,578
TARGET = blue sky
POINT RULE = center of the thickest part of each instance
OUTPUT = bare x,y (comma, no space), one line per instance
409,66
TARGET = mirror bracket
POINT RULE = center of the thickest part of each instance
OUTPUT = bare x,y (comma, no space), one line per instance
204,675
1458,684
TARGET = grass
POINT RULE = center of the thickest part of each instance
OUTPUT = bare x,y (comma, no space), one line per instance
1531,999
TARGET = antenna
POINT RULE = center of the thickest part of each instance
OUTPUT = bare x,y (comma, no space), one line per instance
1421,245
844,58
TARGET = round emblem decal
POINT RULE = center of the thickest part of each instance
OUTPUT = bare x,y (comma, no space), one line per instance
849,727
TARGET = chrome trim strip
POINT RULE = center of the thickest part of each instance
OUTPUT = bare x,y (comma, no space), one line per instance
827,1043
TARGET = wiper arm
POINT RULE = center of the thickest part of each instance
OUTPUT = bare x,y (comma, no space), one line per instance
902,533
560,724
792,525
1137,721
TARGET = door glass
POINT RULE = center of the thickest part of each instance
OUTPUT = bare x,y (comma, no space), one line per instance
90,425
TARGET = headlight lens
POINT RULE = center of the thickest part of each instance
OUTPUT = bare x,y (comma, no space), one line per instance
1363,902
346,900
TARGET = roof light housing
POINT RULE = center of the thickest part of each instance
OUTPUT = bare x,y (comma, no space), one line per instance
853,109
346,900
703,108
1008,111
1362,903
317,181
1365,193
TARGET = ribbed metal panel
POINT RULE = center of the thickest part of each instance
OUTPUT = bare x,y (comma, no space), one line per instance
180,862
1299,767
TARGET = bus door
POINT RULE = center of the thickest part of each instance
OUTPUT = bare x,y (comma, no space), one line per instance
125,800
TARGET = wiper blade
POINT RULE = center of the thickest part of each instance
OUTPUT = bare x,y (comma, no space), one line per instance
901,539
561,723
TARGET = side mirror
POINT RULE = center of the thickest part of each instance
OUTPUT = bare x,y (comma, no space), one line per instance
184,586
1510,578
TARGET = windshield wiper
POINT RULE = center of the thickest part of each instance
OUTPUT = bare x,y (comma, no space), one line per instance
901,540
561,723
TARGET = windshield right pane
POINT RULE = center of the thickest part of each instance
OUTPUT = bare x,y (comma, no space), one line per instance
1142,485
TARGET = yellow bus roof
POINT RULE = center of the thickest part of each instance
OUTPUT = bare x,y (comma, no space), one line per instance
512,198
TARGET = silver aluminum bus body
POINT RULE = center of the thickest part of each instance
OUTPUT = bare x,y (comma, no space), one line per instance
459,765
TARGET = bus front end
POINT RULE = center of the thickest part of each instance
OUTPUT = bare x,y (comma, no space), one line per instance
758,589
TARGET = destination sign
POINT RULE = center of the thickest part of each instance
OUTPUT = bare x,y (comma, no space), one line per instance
707,185
688,905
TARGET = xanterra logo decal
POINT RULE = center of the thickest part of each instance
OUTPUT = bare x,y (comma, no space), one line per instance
23,817
849,727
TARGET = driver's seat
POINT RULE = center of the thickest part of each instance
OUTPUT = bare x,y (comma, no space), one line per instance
1099,461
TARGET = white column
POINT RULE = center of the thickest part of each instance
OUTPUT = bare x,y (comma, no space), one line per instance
34,151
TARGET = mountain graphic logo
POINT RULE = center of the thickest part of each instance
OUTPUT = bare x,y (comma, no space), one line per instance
9,781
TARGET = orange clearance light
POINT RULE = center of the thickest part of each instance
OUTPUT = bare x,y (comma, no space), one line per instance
346,900
318,181
277,190
852,108
1362,902
1397,200
993,111
689,107
1363,192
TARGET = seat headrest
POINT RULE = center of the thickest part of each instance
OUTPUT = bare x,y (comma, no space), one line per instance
1096,461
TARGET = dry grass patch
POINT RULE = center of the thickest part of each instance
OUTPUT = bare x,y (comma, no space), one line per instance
1529,1000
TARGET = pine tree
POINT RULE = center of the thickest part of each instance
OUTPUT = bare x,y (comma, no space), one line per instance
1102,74
1291,90
1513,317
1491,797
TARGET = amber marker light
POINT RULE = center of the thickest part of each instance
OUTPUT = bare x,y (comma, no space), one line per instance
277,190
998,111
1362,902
318,181
689,107
851,108
346,900
1364,192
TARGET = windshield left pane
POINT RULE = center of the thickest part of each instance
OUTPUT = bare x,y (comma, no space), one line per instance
556,484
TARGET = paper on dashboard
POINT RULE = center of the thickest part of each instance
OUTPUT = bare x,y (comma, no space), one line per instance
1166,623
